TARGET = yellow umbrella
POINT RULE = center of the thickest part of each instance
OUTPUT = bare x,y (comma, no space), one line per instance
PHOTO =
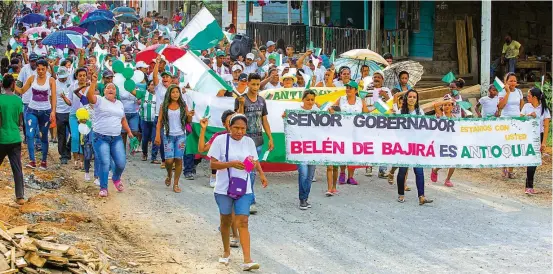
364,55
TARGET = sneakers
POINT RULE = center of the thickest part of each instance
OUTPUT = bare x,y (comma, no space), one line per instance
434,176
43,165
253,209
342,178
97,182
448,183
63,161
303,205
31,164
87,177
382,175
423,200
189,176
530,191
352,181
369,171
212,181
308,204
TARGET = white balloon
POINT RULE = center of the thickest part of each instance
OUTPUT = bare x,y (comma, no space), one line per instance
119,79
138,76
84,129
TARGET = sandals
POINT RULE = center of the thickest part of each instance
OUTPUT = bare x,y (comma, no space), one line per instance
167,181
144,158
118,185
390,178
423,200
224,261
407,188
234,243
511,175
156,162
103,192
176,188
250,266
401,199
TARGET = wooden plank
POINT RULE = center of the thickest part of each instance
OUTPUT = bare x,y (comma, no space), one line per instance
3,248
11,271
3,264
470,33
52,246
34,259
20,262
18,230
462,57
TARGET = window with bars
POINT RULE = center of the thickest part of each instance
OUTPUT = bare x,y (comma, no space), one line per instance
408,16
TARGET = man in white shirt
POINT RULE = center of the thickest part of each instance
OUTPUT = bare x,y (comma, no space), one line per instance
270,48
252,66
219,67
40,49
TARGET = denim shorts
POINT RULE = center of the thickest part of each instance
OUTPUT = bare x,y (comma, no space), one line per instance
241,206
173,146
133,119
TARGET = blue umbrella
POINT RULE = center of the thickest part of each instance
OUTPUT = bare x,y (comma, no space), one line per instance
33,18
105,13
97,24
126,18
123,10
60,39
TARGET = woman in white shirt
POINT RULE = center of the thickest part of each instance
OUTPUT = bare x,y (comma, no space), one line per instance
353,104
173,116
536,108
344,74
41,110
510,104
411,106
108,144
229,155
77,92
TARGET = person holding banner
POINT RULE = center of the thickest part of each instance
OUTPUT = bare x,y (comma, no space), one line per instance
511,102
344,77
353,104
489,104
255,108
411,106
173,116
234,155
444,110
536,108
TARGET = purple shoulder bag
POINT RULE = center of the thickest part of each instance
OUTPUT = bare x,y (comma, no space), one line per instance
236,186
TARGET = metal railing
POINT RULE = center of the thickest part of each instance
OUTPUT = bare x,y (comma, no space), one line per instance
289,34
328,38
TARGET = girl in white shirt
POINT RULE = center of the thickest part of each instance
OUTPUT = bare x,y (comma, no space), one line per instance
489,104
173,116
510,104
536,108
444,110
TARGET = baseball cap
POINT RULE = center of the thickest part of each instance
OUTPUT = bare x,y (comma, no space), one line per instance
221,53
289,75
270,43
236,67
242,77
166,73
107,73
250,56
62,72
33,57
352,84
141,64
272,56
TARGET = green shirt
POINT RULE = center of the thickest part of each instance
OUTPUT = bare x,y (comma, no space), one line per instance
76,20
11,108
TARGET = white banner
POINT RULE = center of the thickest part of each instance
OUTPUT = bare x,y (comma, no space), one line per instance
407,140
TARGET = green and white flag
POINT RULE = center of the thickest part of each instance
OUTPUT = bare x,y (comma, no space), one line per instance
332,56
381,106
448,78
202,32
229,36
77,40
200,77
498,84
14,44
159,50
126,42
141,46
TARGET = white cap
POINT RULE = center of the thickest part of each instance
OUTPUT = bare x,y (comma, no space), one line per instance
141,64
270,43
250,56
236,67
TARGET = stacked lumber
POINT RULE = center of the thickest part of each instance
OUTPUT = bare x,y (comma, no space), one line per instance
24,250
432,95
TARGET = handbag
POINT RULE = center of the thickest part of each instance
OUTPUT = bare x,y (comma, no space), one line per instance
236,186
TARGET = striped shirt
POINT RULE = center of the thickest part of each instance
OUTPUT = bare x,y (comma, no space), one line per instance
148,107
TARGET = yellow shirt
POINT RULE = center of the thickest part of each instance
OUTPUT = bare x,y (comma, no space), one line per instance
511,50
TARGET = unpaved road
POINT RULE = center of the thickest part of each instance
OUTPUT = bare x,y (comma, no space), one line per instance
471,228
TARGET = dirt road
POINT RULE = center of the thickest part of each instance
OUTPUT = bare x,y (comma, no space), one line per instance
484,226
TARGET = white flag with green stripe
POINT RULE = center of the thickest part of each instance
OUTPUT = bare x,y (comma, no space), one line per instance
498,84
202,32
199,76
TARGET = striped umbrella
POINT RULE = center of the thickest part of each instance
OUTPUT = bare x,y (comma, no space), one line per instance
391,73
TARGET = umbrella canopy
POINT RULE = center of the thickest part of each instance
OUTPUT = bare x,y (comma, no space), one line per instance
38,30
126,18
87,7
364,54
60,39
97,24
120,10
105,13
391,73
33,18
171,53
355,66
77,29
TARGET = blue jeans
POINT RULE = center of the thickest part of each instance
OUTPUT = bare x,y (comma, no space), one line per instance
174,146
107,148
162,153
26,125
132,120
382,169
149,135
305,177
188,164
253,173
511,64
37,119
419,178
75,134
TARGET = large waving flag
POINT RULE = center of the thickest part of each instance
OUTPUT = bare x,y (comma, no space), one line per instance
199,76
202,32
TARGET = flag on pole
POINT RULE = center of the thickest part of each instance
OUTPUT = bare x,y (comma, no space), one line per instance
199,76
161,48
448,78
498,84
77,40
14,44
325,106
202,32
381,106
332,56
229,36
141,46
